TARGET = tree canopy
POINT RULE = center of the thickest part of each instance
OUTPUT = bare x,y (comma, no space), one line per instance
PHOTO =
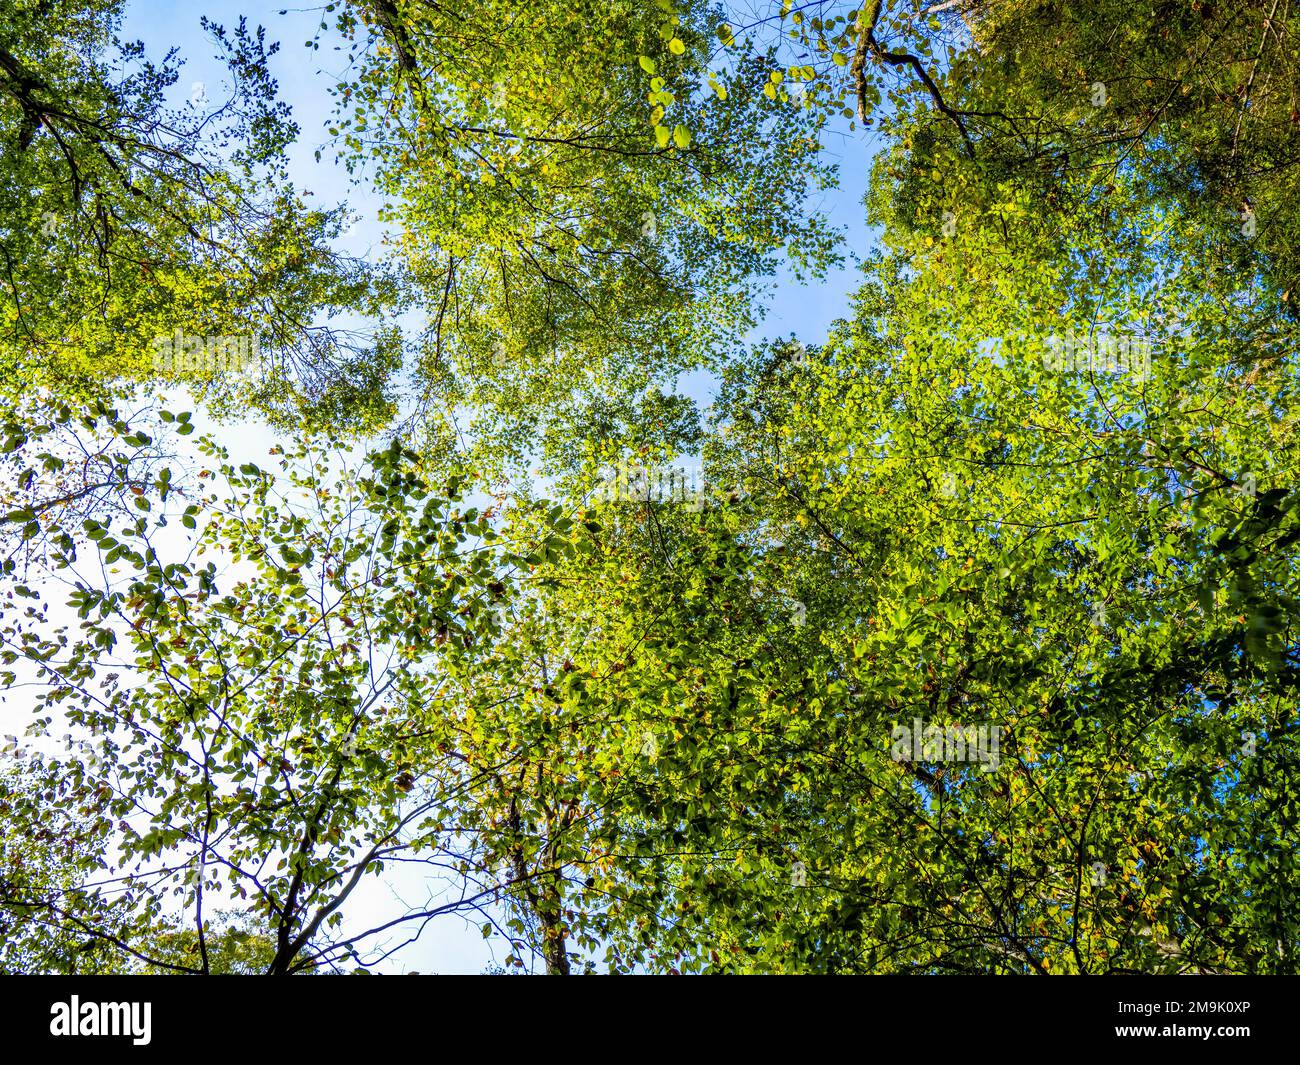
968,648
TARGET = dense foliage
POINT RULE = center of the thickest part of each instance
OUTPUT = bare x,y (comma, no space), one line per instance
970,650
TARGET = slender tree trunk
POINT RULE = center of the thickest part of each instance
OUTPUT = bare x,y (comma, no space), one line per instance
554,945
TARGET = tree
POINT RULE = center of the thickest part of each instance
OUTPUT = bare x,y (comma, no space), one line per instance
570,244
126,220
975,655
44,845
270,731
